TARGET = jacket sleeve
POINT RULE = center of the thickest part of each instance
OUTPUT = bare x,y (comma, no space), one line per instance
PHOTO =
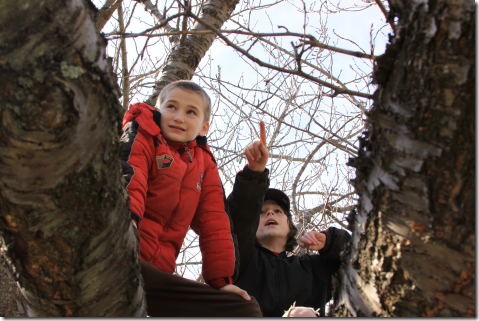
244,206
212,225
136,160
336,240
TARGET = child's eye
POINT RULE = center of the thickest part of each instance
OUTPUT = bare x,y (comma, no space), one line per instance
170,106
278,211
191,112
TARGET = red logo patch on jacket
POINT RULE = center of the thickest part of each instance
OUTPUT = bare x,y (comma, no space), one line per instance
164,161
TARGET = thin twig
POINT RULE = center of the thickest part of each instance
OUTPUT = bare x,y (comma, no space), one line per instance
386,14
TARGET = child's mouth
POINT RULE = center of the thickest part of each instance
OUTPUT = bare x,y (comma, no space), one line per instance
176,128
271,222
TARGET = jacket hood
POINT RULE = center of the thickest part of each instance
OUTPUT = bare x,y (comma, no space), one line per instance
147,116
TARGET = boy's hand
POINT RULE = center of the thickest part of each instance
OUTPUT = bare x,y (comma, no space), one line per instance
256,153
312,241
234,289
301,312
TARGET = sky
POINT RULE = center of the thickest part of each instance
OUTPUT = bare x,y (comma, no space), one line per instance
354,25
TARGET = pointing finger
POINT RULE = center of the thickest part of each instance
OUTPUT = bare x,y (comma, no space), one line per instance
262,137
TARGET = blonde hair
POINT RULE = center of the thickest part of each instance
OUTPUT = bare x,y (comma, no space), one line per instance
191,87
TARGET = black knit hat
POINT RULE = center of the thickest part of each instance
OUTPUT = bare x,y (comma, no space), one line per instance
279,197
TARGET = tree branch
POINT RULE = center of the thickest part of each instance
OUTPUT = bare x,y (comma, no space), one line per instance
160,19
386,14
125,81
106,12
337,90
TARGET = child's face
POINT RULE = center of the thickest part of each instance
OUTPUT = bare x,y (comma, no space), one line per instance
182,116
273,223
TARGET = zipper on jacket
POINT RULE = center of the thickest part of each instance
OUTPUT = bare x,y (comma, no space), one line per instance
188,152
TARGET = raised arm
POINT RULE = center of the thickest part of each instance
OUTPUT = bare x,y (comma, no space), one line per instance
244,204
244,207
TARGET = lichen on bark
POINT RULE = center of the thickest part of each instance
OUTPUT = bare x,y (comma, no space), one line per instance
64,221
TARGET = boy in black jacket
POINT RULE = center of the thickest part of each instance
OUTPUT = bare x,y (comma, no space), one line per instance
265,231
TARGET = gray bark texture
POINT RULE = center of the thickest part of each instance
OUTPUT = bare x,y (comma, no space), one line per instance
65,233
413,246
186,55
11,299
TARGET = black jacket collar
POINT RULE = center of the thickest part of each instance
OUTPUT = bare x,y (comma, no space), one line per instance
269,252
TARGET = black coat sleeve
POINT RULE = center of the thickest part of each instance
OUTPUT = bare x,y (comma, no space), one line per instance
244,206
336,240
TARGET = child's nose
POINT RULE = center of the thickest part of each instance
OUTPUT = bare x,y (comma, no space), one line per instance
178,118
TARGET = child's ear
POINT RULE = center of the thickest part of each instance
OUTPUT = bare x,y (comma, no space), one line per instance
204,129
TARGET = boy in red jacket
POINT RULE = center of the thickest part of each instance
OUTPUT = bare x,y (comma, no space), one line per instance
173,183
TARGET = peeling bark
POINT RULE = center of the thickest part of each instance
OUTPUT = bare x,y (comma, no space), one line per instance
413,245
184,59
65,231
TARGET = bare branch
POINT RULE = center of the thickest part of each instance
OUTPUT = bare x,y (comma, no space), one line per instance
386,14
106,12
124,62
337,90
159,19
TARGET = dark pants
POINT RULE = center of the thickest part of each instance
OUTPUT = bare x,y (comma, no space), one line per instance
170,295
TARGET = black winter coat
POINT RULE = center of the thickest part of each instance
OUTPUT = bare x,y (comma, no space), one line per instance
277,281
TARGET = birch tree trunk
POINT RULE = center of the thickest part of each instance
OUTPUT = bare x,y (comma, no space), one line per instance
413,248
65,228
187,54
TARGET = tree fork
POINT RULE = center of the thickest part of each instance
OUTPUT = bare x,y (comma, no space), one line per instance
413,245
184,59
65,231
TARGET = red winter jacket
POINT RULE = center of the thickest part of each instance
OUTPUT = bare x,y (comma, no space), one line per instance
173,186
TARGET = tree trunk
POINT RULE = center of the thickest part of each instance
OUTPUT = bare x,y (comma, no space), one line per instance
11,299
186,56
413,246
65,228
